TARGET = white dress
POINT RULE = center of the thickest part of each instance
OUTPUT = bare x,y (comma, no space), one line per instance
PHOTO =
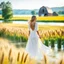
35,47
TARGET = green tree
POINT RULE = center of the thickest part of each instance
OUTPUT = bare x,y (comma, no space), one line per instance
55,14
7,12
60,12
33,12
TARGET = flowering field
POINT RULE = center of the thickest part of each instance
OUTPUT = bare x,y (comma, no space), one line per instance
46,18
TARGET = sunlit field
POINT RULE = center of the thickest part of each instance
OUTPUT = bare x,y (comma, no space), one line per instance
19,32
9,54
46,18
15,37
15,16
10,34
22,30
50,18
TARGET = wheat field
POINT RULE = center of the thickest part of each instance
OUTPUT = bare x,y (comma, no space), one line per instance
10,54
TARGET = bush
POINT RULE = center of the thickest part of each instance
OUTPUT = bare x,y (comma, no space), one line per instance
46,42
55,14
59,43
52,42
33,12
63,43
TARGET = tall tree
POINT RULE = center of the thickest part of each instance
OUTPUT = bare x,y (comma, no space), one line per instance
33,12
7,12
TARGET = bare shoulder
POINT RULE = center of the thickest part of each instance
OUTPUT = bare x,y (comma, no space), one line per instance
28,21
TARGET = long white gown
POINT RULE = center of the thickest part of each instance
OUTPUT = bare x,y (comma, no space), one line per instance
35,47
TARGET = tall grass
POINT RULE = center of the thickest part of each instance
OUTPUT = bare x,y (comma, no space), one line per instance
51,35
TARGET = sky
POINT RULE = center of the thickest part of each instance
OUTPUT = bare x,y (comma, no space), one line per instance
34,4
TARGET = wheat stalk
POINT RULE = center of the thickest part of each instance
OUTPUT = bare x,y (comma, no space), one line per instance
10,52
18,56
25,58
45,59
11,60
22,57
2,58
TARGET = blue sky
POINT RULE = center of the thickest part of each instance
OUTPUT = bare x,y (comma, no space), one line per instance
34,4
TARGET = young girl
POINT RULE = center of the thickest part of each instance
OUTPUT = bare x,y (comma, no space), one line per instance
35,48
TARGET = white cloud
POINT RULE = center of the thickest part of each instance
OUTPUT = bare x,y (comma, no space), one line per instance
34,4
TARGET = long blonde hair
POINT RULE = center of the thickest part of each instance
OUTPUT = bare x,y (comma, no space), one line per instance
32,22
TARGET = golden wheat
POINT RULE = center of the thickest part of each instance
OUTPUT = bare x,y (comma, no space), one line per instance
9,54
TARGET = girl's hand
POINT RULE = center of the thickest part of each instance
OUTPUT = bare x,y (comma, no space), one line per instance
39,36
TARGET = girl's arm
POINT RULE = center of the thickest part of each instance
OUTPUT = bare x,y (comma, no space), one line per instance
38,34
29,32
